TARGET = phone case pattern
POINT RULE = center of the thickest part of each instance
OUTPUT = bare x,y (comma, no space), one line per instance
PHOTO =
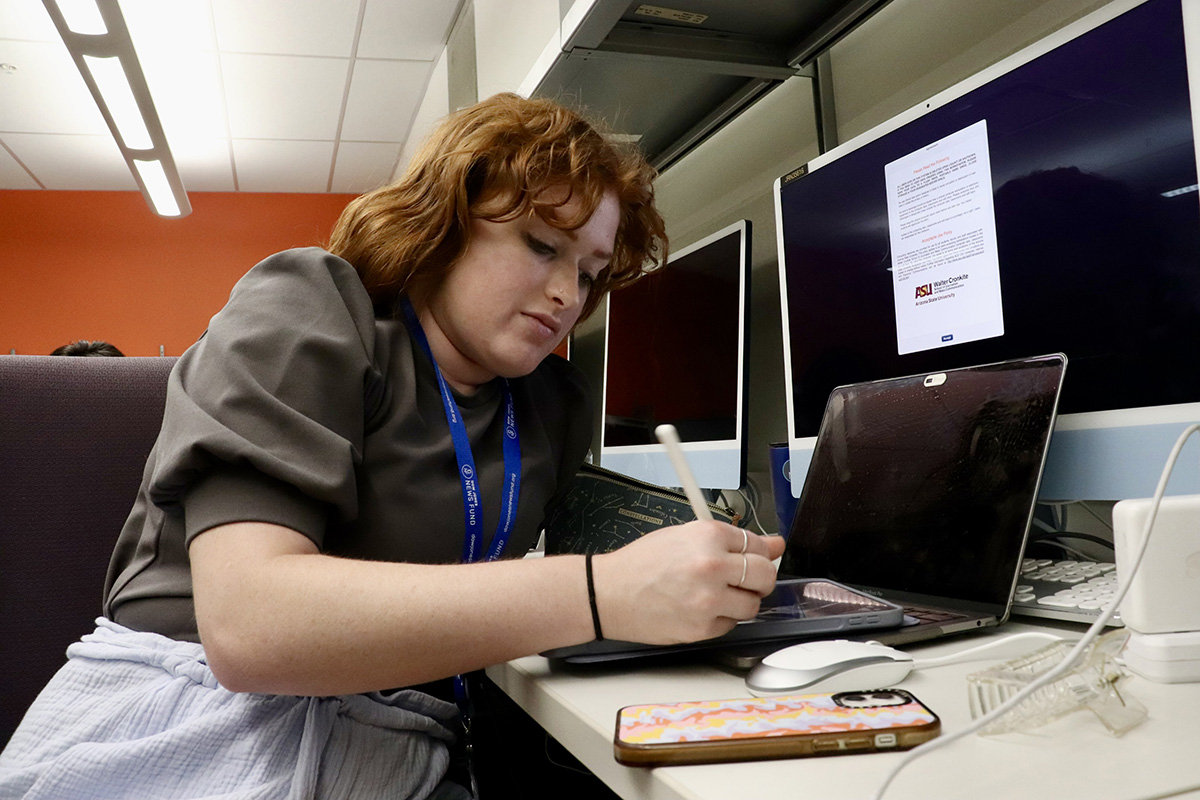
758,717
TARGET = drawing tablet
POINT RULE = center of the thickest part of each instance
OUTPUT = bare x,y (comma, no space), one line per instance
796,608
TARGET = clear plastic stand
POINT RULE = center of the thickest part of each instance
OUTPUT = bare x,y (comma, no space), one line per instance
1093,683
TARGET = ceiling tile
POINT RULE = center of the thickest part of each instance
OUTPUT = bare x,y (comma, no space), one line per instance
287,27
12,174
45,94
26,19
304,96
434,107
177,50
275,71
205,165
188,95
406,30
384,96
179,26
362,166
73,162
274,166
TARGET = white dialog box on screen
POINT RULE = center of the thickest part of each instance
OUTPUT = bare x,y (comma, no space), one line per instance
942,226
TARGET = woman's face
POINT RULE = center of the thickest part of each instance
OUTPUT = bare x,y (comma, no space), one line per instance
516,292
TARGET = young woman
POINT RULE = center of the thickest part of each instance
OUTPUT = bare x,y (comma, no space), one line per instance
353,459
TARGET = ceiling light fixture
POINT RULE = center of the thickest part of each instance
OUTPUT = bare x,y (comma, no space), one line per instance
95,34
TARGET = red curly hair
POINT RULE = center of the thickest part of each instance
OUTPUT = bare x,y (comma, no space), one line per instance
504,152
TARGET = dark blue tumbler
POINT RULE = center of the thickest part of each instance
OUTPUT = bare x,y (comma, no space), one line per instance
781,486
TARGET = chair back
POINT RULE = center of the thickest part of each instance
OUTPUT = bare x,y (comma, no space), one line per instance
74,436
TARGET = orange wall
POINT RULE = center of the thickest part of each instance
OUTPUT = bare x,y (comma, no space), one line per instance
101,265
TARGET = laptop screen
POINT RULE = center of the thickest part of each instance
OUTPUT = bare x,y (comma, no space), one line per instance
926,485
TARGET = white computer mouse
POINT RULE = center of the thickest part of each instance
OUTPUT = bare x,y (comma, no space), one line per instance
834,665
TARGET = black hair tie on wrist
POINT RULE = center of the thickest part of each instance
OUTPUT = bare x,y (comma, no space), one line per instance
591,586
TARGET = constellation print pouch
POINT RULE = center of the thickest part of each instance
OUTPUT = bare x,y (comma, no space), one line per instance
772,727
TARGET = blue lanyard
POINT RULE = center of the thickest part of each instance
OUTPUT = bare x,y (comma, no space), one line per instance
472,505
470,489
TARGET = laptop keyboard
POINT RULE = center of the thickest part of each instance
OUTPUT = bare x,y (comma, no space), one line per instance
1076,591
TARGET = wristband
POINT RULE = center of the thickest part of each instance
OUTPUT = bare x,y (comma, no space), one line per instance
591,587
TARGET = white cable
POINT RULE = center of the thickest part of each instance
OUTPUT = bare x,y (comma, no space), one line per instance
1083,504
753,513
975,653
1068,661
1046,526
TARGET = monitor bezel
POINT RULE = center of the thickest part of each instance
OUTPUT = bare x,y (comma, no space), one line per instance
709,460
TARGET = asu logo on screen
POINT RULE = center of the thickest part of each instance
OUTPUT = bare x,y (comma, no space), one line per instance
925,291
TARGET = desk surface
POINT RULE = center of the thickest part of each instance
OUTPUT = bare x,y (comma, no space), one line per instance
1072,757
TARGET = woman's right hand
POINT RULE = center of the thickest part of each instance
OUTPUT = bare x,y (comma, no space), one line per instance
684,583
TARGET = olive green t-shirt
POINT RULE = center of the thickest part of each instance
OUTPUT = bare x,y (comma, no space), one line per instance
300,407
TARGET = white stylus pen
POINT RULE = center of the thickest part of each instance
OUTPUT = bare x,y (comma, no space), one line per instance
670,439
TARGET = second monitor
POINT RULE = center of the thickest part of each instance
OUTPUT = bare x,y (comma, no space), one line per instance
1046,204
675,352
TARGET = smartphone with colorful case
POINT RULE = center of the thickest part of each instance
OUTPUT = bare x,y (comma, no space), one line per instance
750,729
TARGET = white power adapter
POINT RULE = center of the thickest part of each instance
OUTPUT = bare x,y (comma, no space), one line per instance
1162,608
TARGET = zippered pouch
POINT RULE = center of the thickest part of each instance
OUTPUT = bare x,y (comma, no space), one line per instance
605,510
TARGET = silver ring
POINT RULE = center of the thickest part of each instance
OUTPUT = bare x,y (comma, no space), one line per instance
745,541
743,580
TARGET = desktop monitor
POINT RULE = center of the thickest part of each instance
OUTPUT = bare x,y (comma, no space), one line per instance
675,352
1047,204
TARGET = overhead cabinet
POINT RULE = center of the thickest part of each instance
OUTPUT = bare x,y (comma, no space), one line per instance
670,76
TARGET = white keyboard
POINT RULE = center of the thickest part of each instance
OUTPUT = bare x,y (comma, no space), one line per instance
1069,590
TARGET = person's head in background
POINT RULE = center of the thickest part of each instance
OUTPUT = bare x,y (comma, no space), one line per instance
83,347
501,159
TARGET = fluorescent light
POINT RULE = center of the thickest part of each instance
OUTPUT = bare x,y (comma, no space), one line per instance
122,105
154,177
98,40
1184,190
83,16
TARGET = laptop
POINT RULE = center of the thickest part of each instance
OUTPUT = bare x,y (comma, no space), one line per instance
920,493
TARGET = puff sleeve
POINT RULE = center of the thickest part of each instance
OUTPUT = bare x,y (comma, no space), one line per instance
264,416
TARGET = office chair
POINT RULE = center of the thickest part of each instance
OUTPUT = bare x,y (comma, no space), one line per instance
74,436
